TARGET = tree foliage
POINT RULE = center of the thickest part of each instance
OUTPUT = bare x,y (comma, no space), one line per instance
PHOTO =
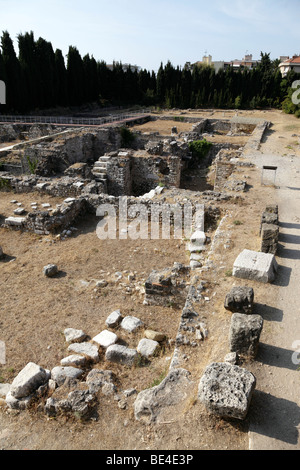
41,78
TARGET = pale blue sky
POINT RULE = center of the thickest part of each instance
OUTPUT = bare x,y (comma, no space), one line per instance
147,33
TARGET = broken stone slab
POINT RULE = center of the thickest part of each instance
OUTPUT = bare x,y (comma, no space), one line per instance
226,390
18,403
256,266
15,221
74,336
50,270
131,324
147,347
121,355
105,339
74,360
60,373
114,319
244,334
29,379
240,300
19,211
89,350
152,404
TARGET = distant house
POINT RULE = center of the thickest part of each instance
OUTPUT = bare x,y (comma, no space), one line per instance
287,64
246,63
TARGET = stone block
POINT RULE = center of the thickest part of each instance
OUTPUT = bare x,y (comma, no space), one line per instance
147,347
50,270
121,355
114,319
75,360
256,266
74,336
89,350
131,324
226,390
244,334
240,300
60,373
29,379
105,339
269,238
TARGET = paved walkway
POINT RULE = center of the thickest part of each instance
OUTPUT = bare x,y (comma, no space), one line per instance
277,425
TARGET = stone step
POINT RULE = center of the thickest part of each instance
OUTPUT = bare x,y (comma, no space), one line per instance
100,174
100,164
104,159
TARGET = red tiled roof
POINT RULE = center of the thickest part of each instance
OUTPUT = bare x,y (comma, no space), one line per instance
294,60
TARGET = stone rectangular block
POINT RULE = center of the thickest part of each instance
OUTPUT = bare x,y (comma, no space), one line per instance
256,266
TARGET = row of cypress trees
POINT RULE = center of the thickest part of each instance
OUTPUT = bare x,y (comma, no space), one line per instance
39,78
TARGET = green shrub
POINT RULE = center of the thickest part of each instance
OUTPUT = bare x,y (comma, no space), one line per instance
199,148
127,137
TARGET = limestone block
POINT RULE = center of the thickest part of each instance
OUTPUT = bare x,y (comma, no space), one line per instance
88,350
28,380
147,347
74,360
131,324
50,270
244,334
252,265
240,300
226,390
105,339
121,355
113,319
74,336
60,373
15,221
155,335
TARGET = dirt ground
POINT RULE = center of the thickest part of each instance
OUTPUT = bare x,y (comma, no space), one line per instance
35,311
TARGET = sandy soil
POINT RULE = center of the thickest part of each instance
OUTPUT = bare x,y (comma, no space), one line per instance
35,311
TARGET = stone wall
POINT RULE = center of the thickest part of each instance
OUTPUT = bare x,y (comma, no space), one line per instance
149,171
223,170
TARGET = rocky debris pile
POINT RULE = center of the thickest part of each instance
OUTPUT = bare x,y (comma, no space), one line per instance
167,286
74,385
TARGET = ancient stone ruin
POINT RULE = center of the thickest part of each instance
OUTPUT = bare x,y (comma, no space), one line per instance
90,167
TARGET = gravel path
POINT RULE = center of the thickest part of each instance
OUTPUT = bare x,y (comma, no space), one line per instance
277,428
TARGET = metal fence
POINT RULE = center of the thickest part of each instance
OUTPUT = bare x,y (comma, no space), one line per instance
66,120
